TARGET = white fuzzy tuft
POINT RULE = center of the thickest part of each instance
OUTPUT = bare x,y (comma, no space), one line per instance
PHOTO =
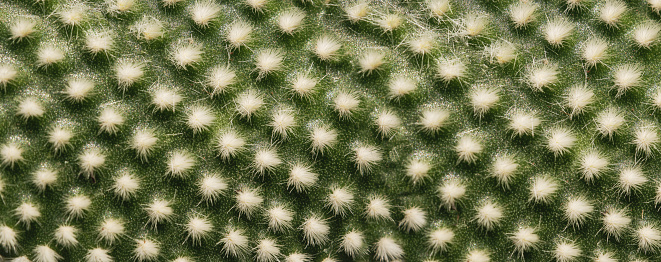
248,201
340,200
414,219
76,206
557,31
49,55
611,12
626,77
235,243
30,108
327,48
433,120
524,240
197,229
298,257
489,215
483,99
110,120
266,160
219,79
609,122
149,28
186,55
421,45
544,76
229,144
128,73
387,122
522,14
199,118
144,143
477,256
179,164
371,61
649,238
473,25
504,168
279,218
386,249
247,103
346,104
120,6
401,86
98,255
542,189
315,230
594,51
8,239
646,139
523,124
646,34
7,75
267,250
560,141
418,171
99,42
438,8
111,230
290,20
204,12
210,187
43,253
502,52
165,99
357,11
657,197
304,86
378,208
74,15
451,69
655,5
468,149
158,211
170,3
450,193
631,179
577,210
146,250
90,161
365,157
257,5
22,29
578,99
615,222
44,178
389,22
566,252
78,90
11,155
239,34
66,236
592,165
322,138
301,177
283,122
440,239
182,259
353,244
268,61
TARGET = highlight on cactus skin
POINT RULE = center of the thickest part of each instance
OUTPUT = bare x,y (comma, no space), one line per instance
330,130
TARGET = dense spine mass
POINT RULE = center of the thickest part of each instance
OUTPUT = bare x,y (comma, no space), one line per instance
329,130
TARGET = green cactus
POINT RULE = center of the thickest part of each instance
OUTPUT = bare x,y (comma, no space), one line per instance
384,130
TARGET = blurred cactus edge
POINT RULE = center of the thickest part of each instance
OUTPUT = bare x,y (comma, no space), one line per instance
330,130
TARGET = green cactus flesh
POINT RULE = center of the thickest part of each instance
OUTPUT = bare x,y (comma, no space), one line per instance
383,130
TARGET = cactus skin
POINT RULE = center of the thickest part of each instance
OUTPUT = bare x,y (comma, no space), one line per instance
336,165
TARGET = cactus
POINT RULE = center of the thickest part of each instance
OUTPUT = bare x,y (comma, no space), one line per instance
335,130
